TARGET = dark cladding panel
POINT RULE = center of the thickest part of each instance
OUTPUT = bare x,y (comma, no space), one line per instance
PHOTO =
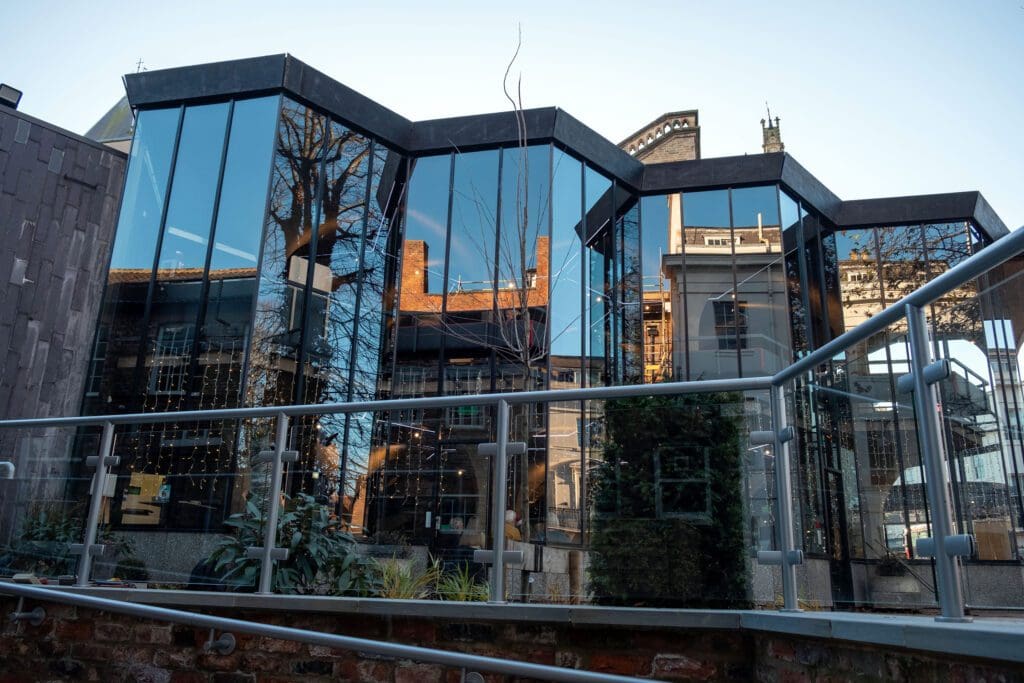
482,130
343,102
754,169
218,80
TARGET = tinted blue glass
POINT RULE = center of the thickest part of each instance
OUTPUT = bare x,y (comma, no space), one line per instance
379,263
120,331
427,225
285,263
232,275
190,210
600,246
857,259
525,203
246,175
753,206
706,209
655,213
902,258
566,269
715,316
474,218
145,188
630,324
330,331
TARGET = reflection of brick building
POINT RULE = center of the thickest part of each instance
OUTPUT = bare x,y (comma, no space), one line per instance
415,296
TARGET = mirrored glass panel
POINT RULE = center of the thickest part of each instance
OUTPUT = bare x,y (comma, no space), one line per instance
598,217
761,282
173,315
565,313
116,349
285,266
330,323
660,216
716,318
226,322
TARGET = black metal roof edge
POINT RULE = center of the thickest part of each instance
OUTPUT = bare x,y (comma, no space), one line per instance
988,220
64,132
341,101
285,73
290,75
927,208
600,152
480,131
206,81
701,174
810,189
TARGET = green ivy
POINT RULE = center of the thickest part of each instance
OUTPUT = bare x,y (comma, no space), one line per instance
645,554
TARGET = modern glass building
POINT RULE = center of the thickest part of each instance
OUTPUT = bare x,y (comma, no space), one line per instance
283,239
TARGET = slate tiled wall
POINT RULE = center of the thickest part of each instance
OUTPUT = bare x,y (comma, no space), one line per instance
59,198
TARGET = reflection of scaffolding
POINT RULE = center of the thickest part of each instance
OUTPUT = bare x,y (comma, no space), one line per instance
657,318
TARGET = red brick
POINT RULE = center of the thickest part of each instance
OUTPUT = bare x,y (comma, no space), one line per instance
188,677
679,667
73,630
414,631
418,673
176,659
112,632
781,650
568,660
212,662
616,663
276,645
153,633
326,652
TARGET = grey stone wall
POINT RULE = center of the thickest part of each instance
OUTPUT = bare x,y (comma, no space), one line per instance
59,197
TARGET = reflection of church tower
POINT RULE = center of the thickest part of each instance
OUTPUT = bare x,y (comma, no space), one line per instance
772,136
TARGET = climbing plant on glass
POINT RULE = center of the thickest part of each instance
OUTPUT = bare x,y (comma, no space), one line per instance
667,505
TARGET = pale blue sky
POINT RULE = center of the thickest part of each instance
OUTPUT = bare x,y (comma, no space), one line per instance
876,98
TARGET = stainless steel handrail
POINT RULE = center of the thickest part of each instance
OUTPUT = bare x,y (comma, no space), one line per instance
421,654
995,254
511,398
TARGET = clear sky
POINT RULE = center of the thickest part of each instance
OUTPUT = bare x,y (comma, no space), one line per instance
876,98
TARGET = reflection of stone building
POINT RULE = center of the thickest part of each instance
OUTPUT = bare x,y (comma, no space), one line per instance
329,204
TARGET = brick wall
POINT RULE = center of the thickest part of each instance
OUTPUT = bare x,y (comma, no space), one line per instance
79,644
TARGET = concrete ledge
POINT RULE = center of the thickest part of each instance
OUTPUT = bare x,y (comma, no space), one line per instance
985,638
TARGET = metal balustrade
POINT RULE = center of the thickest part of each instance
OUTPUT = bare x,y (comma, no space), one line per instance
944,546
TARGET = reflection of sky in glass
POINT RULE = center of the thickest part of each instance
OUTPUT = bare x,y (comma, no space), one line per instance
427,215
790,211
748,202
849,241
474,211
144,189
190,209
654,235
239,218
706,209
565,257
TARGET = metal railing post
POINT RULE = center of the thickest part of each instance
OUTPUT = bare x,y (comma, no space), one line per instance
499,476
267,554
89,547
947,565
790,556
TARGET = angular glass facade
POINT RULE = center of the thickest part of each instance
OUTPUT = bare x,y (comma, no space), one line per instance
269,253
